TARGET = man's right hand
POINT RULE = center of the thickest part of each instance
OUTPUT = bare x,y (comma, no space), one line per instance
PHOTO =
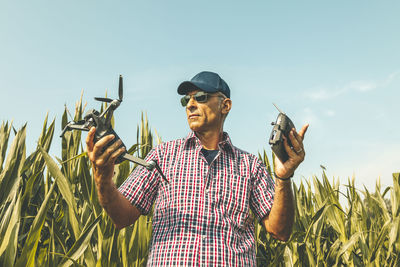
103,162
121,211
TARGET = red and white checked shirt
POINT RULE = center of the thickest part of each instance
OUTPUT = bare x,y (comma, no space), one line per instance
202,216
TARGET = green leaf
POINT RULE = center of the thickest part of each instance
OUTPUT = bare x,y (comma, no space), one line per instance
65,188
380,240
81,243
348,245
27,257
5,130
315,219
8,246
15,160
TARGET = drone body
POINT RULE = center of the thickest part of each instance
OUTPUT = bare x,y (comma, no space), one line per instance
102,122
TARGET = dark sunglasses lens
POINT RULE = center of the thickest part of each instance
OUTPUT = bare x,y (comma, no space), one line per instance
185,100
201,98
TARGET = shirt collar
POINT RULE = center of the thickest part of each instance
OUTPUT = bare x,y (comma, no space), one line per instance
225,144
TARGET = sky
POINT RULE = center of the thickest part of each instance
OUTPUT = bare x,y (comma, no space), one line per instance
332,64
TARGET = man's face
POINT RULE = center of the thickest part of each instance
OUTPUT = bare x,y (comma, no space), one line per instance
206,116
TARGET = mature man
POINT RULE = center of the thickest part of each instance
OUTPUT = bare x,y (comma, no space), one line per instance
202,216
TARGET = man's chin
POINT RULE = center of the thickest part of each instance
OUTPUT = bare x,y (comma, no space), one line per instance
194,127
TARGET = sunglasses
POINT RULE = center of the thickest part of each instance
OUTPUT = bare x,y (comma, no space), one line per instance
201,97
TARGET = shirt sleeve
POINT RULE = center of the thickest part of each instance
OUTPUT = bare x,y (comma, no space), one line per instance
263,191
141,186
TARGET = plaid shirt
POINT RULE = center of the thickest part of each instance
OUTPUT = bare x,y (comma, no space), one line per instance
202,216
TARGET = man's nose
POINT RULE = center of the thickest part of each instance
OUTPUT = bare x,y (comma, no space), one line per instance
192,103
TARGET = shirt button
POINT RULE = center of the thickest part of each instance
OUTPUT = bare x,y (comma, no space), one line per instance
203,237
206,191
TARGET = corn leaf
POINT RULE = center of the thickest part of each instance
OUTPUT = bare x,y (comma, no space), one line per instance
27,257
65,188
82,243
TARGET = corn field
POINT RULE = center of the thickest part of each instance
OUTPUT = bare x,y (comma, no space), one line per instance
50,214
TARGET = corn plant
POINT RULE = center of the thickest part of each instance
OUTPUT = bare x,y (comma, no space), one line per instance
50,214
334,228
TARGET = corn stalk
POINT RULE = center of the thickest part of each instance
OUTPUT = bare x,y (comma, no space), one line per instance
49,211
50,214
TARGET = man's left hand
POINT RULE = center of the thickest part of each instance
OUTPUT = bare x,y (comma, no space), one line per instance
296,153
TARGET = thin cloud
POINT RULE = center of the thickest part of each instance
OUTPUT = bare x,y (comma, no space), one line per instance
362,86
391,77
324,93
380,163
330,113
309,116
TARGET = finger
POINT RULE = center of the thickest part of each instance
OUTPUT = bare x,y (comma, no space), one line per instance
109,151
297,143
303,130
98,147
288,149
113,147
116,154
296,140
89,139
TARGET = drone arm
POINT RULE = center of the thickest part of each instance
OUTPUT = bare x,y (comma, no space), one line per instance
109,116
160,172
148,165
136,160
110,109
78,127
64,131
102,115
73,126
109,112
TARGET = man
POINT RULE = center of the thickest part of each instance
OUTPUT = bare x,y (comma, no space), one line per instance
202,216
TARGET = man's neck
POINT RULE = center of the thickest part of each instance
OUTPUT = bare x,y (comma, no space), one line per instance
210,140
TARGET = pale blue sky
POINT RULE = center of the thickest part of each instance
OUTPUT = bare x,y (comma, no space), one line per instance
333,64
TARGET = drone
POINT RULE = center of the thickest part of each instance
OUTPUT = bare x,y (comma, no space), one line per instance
102,122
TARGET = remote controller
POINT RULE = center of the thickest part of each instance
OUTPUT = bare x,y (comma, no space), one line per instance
281,128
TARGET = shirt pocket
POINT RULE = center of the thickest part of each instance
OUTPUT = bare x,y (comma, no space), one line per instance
234,199
171,196
165,198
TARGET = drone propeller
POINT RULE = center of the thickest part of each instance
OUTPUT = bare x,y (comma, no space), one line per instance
103,99
120,94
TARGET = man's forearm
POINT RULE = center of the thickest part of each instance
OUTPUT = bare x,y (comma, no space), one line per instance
120,210
280,220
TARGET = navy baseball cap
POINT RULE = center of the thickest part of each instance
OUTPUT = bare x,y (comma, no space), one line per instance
206,81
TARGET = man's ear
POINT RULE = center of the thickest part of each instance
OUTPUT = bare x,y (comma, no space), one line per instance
226,105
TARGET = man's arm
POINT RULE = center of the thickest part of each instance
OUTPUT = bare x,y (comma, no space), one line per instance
121,211
279,221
